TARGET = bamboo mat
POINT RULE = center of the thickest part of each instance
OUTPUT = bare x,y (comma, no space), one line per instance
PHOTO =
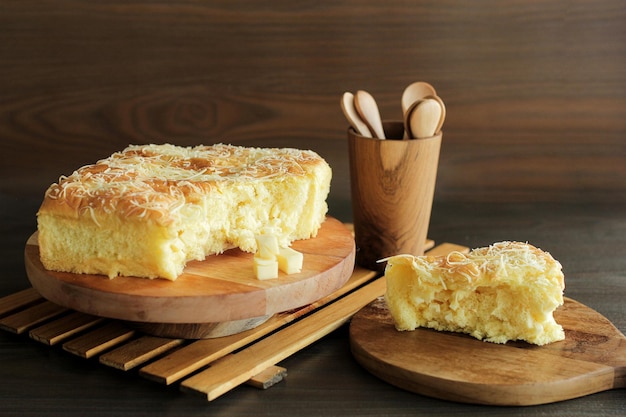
209,367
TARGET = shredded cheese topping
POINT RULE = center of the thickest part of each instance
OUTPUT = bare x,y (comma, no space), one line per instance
155,181
496,261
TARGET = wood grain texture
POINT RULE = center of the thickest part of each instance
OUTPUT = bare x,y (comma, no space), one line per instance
222,288
535,91
63,328
454,367
236,369
392,184
99,340
138,351
24,320
19,300
324,379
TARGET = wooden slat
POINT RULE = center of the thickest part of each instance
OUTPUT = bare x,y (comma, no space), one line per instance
202,352
238,368
264,379
445,248
99,340
182,362
255,365
268,377
24,320
19,300
64,327
138,352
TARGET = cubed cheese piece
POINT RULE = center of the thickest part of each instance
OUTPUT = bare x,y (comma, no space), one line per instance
265,268
289,260
267,246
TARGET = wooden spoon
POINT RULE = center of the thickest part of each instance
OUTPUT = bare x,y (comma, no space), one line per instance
443,113
414,92
367,108
347,105
422,118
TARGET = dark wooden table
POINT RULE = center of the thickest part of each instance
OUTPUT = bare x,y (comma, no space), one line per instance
82,79
323,379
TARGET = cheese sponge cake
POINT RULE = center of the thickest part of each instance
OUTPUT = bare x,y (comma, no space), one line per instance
506,291
148,210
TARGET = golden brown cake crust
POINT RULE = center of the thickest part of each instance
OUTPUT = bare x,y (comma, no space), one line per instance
148,210
489,264
152,181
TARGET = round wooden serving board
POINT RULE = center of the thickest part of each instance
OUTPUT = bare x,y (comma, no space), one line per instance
222,288
457,367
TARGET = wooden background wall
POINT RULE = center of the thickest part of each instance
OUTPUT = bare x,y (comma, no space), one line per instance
535,90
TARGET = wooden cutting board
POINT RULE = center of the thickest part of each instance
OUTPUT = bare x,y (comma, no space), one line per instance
221,288
457,367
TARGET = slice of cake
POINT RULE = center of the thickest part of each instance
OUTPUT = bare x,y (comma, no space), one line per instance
147,210
507,291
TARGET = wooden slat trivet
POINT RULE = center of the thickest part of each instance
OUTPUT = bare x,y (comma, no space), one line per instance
138,352
19,300
202,352
99,340
238,368
235,369
268,377
264,379
24,320
64,327
119,348
446,248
